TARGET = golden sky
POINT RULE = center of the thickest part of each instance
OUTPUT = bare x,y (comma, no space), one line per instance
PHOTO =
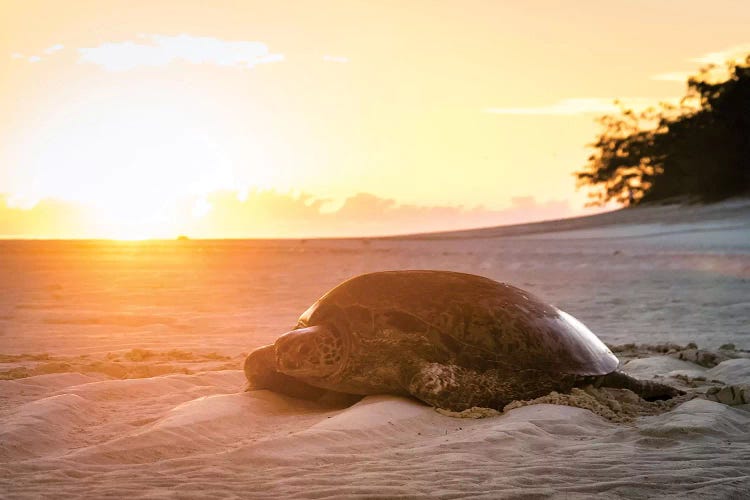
242,118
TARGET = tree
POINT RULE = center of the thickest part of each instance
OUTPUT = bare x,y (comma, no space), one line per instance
698,150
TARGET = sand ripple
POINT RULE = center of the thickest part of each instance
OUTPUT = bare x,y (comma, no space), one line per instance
195,435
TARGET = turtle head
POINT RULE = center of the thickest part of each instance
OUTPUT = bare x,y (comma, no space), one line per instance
316,351
261,373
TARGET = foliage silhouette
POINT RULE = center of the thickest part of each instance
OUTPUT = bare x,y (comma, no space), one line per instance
698,150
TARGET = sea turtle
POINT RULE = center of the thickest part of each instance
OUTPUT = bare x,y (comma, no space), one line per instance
450,339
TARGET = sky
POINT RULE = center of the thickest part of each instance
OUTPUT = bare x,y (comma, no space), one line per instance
130,119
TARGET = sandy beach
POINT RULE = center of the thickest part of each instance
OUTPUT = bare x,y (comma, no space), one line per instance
120,366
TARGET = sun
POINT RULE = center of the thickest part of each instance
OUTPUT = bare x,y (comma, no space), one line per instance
131,162
133,222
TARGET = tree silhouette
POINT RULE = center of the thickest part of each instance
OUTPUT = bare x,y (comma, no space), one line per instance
698,150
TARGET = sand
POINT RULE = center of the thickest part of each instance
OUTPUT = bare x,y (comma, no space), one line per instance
119,369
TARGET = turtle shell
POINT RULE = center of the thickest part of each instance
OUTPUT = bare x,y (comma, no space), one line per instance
456,318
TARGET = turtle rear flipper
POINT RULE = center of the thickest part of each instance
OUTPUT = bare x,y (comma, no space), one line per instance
646,389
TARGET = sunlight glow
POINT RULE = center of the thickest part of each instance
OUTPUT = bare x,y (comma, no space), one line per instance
336,59
132,160
168,117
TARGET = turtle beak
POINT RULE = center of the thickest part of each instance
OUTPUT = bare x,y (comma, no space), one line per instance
259,366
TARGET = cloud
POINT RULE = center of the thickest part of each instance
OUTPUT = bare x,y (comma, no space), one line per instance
54,48
273,214
22,201
31,59
336,59
577,106
673,76
161,50
735,53
44,218
269,213
36,58
387,216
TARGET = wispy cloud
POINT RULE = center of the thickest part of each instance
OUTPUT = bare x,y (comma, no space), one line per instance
577,106
736,53
336,59
673,76
36,58
161,50
54,48
721,56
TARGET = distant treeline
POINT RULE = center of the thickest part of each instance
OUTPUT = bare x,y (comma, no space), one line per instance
698,150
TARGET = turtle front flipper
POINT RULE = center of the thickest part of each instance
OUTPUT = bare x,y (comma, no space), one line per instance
456,388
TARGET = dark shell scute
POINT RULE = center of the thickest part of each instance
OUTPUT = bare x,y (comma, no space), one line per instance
462,319
405,321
